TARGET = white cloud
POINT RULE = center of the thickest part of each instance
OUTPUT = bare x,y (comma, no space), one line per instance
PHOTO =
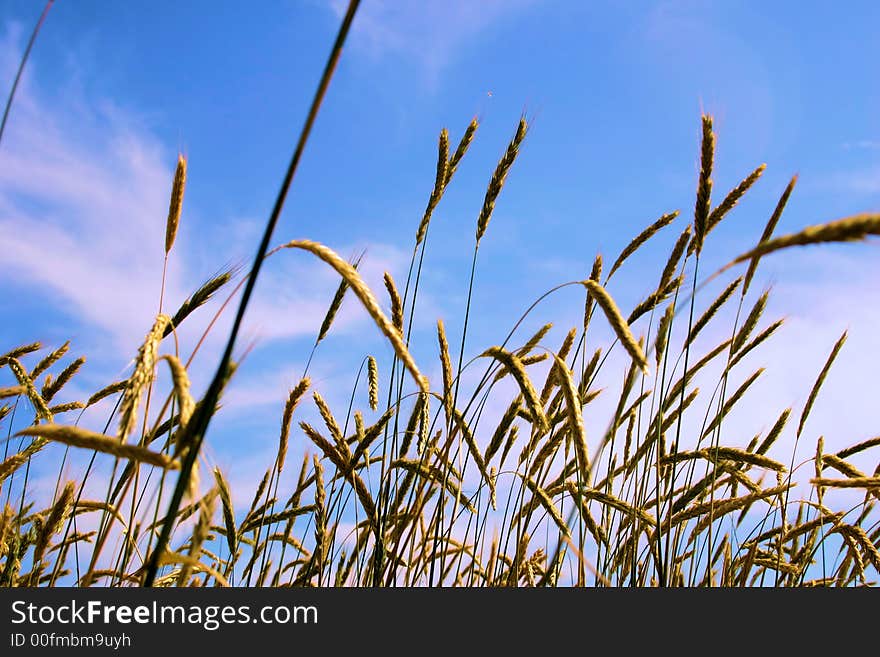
867,144
83,200
429,32
858,181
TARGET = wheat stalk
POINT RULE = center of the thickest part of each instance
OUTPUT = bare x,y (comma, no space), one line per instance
78,437
351,276
498,178
176,204
618,323
704,185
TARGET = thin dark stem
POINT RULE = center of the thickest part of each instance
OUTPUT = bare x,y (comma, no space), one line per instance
454,406
199,423
24,58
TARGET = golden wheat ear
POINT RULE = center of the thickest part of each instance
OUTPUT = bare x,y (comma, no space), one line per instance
78,437
618,323
175,206
359,287
499,176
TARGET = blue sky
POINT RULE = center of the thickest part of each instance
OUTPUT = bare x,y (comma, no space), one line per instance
113,91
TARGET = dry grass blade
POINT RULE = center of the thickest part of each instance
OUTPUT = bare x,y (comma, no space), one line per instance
663,330
430,473
51,388
809,526
14,462
640,239
443,175
860,447
327,448
446,366
731,402
596,530
778,426
373,383
18,352
757,340
27,382
498,178
502,428
610,500
816,386
350,274
171,558
141,377
200,297
741,456
768,231
180,379
733,197
415,426
66,407
78,437
13,391
751,322
289,406
396,303
848,229
704,186
113,388
575,418
719,508
49,360
714,510
461,149
281,516
861,482
654,299
533,341
330,421
176,204
228,510
542,497
335,305
618,323
674,392
830,460
547,451
200,533
674,258
517,369
474,450
56,517
857,535
713,308
370,435
551,381
526,361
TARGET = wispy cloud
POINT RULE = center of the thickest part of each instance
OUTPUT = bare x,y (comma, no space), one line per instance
863,144
858,181
429,32
83,193
83,198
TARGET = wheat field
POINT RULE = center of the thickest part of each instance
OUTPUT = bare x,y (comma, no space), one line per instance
525,462
417,482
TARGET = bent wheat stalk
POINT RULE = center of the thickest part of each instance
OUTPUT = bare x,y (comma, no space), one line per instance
350,274
78,437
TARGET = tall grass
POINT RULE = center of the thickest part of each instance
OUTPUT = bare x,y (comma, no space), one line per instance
428,486
499,474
